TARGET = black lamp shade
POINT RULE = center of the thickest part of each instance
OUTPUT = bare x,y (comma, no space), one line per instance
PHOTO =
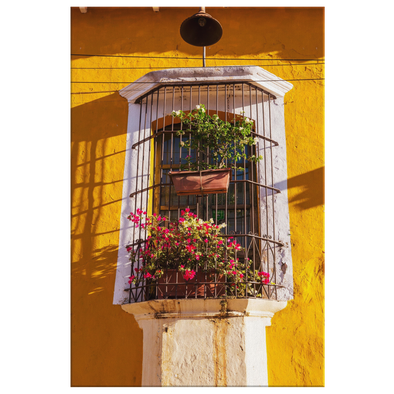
201,30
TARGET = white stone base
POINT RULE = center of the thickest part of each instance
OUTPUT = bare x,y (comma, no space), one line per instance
197,342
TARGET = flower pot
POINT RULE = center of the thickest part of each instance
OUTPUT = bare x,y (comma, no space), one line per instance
201,182
173,285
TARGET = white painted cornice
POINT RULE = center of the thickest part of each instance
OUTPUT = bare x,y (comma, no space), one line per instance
253,74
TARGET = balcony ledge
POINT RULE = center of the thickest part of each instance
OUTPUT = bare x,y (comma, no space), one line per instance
203,308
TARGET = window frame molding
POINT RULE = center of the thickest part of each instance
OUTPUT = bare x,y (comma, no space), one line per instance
135,92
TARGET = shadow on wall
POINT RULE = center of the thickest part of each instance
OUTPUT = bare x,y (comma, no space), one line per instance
310,189
296,32
99,328
93,126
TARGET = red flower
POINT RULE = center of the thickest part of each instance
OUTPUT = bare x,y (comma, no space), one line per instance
264,277
131,279
189,274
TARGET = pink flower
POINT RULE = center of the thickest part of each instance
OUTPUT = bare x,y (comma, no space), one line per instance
241,275
189,274
129,248
206,240
187,209
182,212
264,277
197,257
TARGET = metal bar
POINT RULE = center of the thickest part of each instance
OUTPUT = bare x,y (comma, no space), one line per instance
251,211
262,137
180,162
273,198
225,118
265,179
138,159
235,183
257,166
158,134
143,159
216,195
171,154
258,184
171,84
155,153
149,157
190,139
207,198
162,156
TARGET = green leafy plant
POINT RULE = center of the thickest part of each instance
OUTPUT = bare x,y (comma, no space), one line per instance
217,143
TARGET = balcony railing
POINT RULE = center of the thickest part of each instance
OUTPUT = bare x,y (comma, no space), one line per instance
247,209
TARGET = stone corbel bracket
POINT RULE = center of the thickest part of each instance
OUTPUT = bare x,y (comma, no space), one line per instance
204,342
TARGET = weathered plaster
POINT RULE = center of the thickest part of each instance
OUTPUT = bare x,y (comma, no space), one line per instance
199,342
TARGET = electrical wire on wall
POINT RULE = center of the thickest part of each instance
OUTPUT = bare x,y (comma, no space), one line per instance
314,63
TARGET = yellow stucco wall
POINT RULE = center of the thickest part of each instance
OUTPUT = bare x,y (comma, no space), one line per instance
106,343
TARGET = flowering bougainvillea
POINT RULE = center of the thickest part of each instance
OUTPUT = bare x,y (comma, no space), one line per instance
188,245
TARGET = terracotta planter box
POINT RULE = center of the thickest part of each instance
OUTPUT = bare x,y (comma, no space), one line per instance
173,285
201,182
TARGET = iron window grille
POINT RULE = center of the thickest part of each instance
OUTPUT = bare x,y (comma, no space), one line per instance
248,208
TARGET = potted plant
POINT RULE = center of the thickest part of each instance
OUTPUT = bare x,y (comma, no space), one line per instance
187,257
218,145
